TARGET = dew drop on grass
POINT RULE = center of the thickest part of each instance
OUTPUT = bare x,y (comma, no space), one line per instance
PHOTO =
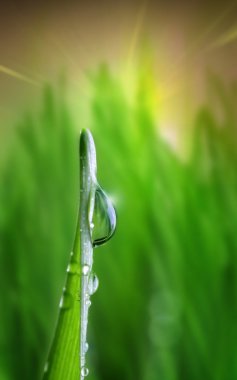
66,301
73,268
86,347
93,284
104,218
84,371
85,269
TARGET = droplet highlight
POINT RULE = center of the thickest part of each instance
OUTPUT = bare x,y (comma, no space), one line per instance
85,269
86,347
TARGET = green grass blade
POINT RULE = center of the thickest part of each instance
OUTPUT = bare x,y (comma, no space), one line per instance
67,358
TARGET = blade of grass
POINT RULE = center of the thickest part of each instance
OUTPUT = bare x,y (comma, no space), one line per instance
63,362
67,359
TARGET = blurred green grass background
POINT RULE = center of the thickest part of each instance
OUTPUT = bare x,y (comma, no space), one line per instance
166,307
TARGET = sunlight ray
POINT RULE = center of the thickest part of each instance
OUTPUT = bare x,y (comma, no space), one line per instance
193,48
136,32
226,38
17,75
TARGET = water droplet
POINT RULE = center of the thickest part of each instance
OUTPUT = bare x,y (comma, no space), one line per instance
92,225
104,218
88,303
86,347
84,371
85,269
93,284
73,268
66,301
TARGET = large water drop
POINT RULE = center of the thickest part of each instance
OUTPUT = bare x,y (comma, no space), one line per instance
104,218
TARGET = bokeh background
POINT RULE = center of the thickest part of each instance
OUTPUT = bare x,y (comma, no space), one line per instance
156,83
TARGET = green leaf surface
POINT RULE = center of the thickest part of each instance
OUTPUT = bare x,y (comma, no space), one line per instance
67,358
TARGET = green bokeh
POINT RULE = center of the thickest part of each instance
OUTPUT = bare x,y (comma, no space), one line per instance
166,305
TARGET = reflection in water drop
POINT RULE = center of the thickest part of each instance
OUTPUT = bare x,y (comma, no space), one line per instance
104,218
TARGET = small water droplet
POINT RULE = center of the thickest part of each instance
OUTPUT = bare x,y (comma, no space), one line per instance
85,269
84,371
93,284
86,347
73,268
92,225
66,301
88,303
104,218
